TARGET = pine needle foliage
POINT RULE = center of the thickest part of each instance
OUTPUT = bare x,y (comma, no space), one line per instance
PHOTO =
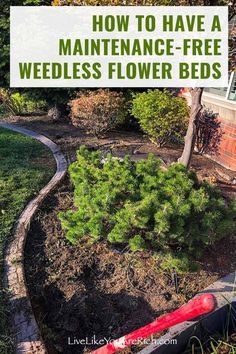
141,205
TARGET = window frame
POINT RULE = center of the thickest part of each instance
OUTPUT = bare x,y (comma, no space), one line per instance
232,82
225,97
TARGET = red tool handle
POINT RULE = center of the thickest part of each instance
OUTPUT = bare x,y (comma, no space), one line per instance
200,305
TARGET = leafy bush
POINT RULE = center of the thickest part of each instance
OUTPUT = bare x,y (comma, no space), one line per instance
19,103
98,111
208,133
7,104
162,116
140,204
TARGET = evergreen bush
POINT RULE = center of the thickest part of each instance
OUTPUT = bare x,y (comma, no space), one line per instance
161,115
141,205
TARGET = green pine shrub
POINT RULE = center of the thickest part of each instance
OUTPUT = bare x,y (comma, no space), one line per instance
141,205
180,261
161,115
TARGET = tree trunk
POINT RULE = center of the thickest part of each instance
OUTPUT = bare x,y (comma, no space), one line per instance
190,138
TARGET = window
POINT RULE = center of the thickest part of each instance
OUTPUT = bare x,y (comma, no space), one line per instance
219,91
229,93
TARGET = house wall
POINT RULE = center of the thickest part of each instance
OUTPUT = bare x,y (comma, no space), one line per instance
227,115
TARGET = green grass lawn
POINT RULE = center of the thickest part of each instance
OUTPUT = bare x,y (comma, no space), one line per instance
25,167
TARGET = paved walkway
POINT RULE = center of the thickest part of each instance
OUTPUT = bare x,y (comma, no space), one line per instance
24,326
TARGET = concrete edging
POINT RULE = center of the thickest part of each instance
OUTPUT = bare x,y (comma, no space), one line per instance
24,326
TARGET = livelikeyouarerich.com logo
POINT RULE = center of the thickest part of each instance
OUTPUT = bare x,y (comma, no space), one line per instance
87,341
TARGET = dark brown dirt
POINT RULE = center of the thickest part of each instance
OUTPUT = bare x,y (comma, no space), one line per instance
85,290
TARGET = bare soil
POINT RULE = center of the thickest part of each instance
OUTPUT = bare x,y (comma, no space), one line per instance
86,290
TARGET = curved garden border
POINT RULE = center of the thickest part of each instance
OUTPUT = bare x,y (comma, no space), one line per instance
24,326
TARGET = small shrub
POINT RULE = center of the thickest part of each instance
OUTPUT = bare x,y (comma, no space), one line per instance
161,115
208,133
98,111
20,103
7,104
140,204
27,104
